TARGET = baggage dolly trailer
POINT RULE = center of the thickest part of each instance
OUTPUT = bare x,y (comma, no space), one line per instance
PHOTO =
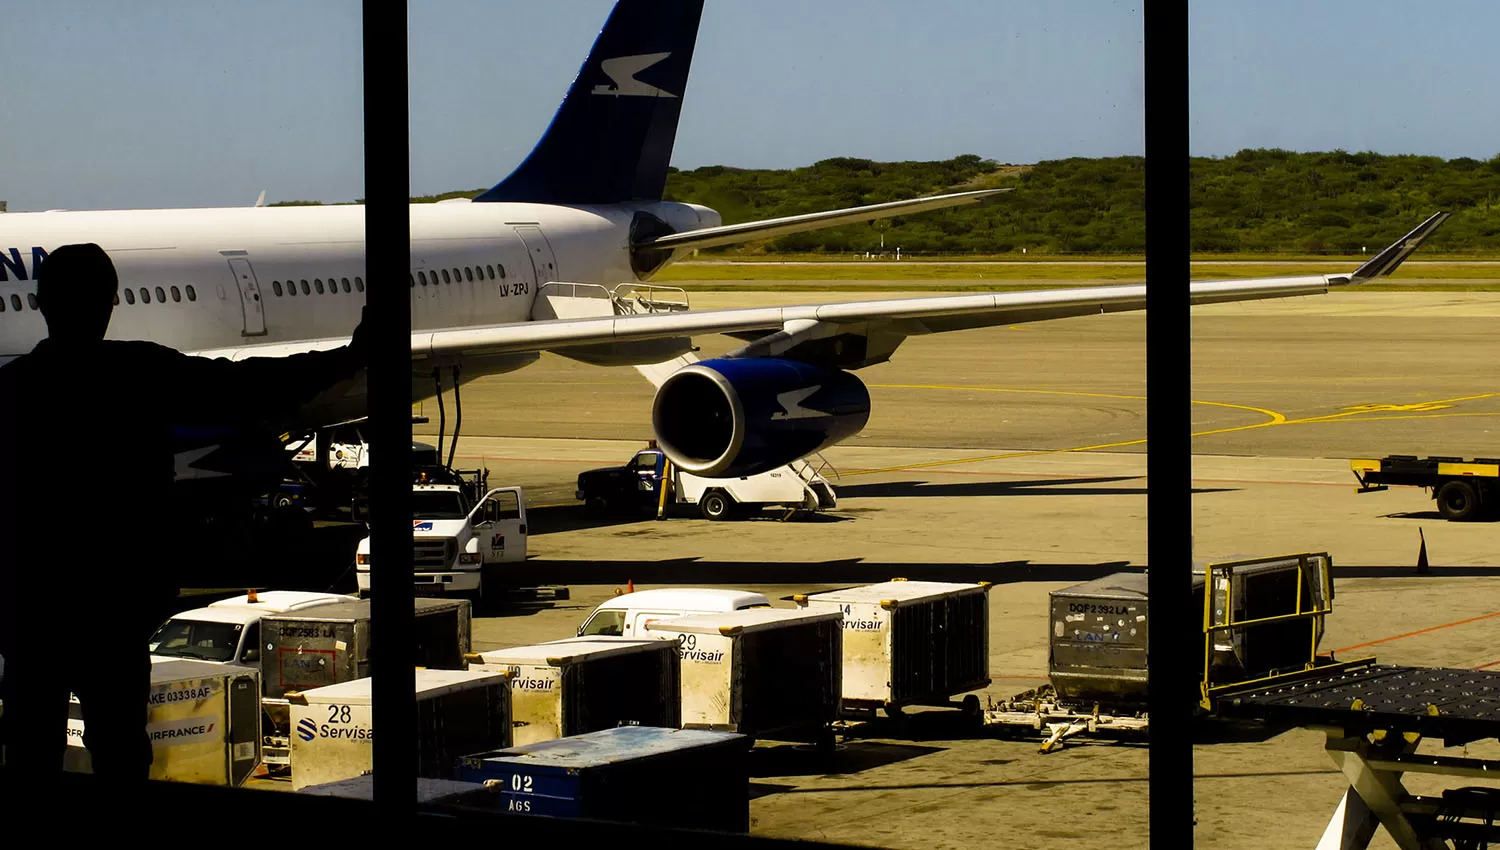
1262,621
1463,489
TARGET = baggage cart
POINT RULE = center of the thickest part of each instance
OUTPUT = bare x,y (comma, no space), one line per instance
579,685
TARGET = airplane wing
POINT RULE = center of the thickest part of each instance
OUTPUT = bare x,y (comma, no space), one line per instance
845,335
731,234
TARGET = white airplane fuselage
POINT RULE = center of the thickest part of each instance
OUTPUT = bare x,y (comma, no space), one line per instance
473,264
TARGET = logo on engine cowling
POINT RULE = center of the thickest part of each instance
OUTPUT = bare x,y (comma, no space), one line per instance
791,404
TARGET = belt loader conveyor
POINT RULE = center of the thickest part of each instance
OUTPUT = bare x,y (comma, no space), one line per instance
1374,716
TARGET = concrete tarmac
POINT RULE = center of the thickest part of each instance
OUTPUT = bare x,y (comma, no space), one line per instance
1016,455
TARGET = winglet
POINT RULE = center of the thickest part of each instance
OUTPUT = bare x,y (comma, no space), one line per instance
1386,261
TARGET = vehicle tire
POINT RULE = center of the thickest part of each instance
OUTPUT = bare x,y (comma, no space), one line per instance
596,505
283,500
1458,500
717,505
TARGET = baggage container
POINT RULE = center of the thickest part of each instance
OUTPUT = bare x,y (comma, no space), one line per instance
764,672
458,712
634,774
910,642
331,644
203,719
1101,629
569,687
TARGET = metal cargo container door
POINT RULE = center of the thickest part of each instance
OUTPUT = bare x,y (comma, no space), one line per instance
249,289
244,728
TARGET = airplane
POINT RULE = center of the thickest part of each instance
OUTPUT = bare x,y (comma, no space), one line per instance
555,258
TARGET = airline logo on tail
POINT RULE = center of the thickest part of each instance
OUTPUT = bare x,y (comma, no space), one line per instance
622,71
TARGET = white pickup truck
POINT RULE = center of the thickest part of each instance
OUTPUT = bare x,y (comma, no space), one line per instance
228,631
636,487
626,615
453,538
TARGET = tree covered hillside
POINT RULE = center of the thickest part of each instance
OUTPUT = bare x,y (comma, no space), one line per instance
1254,201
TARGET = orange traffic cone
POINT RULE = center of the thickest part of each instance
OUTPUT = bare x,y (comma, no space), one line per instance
630,585
1422,553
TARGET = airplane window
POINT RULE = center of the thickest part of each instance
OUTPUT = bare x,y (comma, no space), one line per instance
145,295
491,270
502,270
359,284
306,290
129,298
31,300
344,282
176,294
445,277
2,303
117,301
468,274
413,280
422,276
192,293
161,295
318,285
457,278
276,286
291,287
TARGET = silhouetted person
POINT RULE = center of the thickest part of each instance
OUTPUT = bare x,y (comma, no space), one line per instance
87,556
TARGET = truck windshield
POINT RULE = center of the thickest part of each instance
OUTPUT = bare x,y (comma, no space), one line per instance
197,639
444,504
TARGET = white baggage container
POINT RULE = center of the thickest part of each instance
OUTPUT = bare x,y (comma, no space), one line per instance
763,672
910,642
458,712
569,687
203,719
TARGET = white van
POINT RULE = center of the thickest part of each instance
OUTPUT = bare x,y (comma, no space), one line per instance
228,631
626,615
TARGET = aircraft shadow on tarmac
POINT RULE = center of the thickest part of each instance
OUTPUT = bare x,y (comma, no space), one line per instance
1038,487
849,757
693,571
1438,517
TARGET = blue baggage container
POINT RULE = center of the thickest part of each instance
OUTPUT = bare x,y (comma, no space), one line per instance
687,778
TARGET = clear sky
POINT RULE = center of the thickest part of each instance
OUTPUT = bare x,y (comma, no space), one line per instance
207,102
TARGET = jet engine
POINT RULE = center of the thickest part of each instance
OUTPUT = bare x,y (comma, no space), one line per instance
729,418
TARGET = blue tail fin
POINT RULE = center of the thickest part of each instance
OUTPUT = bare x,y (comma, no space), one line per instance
611,139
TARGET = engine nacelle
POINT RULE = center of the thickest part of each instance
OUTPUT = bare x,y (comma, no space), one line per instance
729,418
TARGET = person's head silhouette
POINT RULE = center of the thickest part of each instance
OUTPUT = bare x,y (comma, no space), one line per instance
75,289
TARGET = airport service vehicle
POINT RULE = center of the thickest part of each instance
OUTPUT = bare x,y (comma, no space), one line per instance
332,644
764,672
459,528
1262,621
626,615
203,720
636,487
910,643
228,631
555,258
1463,489
584,684
458,712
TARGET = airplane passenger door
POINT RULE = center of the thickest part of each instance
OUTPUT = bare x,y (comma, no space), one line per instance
543,263
255,311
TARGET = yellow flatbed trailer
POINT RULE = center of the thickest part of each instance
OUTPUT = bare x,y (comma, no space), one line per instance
1464,489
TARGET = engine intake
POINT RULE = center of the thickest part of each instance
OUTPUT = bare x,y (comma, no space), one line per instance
730,418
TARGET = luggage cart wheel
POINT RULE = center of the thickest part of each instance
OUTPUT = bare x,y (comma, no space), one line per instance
970,706
894,711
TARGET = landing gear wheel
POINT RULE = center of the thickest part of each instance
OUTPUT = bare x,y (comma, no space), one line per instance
716,506
1458,500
